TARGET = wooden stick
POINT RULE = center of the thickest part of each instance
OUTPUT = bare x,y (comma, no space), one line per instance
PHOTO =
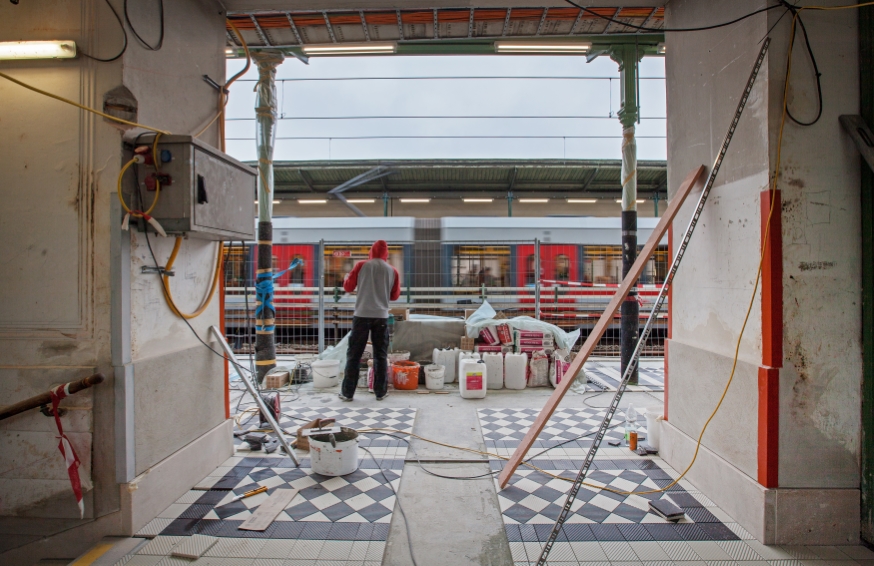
693,179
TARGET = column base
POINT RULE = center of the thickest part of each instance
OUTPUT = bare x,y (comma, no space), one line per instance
773,516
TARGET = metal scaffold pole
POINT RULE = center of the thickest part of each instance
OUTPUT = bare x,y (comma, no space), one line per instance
537,274
321,264
266,115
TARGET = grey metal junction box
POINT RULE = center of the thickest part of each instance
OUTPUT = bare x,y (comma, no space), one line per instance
209,195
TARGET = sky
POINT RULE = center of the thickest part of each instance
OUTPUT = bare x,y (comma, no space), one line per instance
557,107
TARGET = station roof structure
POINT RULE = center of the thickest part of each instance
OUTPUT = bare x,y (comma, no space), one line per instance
276,23
453,178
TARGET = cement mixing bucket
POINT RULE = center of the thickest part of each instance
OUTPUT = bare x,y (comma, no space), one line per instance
336,458
325,373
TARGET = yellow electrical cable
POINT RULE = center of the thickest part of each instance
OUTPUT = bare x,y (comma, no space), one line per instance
165,282
124,205
82,106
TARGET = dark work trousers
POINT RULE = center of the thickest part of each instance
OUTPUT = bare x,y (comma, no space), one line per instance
377,328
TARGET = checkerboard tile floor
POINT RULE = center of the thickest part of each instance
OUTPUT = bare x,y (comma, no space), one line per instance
605,375
331,518
533,499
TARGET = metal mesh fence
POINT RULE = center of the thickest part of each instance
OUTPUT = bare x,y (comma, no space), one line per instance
568,285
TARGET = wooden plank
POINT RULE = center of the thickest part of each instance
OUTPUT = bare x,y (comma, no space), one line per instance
269,510
692,180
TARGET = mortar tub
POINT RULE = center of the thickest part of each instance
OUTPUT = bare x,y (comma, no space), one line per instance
434,376
405,375
325,373
330,460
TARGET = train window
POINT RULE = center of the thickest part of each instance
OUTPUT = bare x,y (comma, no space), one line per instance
562,267
475,266
297,275
529,270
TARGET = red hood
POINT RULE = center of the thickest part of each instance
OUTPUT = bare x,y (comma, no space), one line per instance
379,250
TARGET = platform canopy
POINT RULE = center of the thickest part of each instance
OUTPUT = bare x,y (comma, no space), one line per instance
452,178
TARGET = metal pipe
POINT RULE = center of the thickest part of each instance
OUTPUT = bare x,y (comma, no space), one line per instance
537,278
321,296
46,398
254,392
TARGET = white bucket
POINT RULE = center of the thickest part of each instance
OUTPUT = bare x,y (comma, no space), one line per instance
653,429
325,373
434,376
330,460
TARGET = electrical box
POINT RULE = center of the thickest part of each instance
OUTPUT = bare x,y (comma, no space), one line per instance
204,193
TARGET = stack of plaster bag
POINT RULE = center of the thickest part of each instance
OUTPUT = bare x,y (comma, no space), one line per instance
530,357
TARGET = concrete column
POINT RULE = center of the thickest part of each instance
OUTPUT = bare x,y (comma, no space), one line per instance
266,115
781,456
628,56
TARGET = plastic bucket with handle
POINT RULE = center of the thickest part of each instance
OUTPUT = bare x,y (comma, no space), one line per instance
434,376
325,373
405,375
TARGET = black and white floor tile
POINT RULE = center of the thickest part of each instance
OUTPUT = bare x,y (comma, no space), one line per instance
355,507
532,500
605,375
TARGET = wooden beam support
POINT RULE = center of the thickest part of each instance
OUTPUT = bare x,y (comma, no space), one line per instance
693,179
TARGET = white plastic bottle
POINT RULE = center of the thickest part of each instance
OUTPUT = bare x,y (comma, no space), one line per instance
515,371
630,421
495,366
462,356
472,378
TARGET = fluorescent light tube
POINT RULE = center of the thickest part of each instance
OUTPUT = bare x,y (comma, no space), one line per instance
361,200
274,202
534,200
415,200
374,48
311,201
571,47
582,200
661,49
37,49
638,201
477,199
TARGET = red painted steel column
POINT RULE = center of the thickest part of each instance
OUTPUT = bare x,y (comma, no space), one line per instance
772,341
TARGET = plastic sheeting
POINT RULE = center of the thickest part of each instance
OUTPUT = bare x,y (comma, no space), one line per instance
485,316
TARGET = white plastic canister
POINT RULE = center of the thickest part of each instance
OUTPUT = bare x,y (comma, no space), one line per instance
447,358
472,378
515,371
325,373
434,376
495,367
462,356
653,428
334,459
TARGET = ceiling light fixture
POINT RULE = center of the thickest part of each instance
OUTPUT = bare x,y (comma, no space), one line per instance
361,200
311,201
534,200
274,202
374,48
638,201
569,47
37,50
477,199
661,49
416,200
582,200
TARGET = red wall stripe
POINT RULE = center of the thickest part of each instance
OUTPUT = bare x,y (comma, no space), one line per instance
670,315
769,431
772,284
772,341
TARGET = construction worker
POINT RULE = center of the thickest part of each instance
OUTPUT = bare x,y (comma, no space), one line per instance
377,283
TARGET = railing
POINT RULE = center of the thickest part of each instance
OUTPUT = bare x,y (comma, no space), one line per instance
45,399
312,315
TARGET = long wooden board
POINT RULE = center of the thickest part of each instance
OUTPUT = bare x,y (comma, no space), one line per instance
265,514
693,179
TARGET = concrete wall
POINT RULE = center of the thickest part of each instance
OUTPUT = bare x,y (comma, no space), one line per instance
819,416
74,299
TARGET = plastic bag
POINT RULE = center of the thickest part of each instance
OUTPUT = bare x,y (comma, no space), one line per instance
484,316
538,369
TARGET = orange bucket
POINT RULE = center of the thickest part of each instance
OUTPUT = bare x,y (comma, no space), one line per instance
405,375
